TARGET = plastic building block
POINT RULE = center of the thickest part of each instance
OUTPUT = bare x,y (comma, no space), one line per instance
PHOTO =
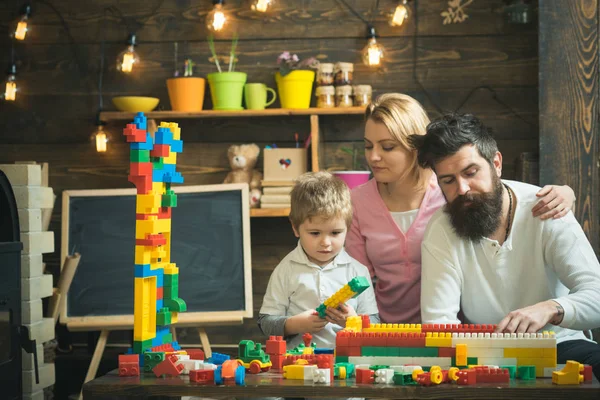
275,345
461,355
299,372
364,375
571,374
168,367
202,376
240,375
195,354
352,289
384,375
587,373
526,372
512,370
218,358
129,365
404,379
321,375
493,375
306,338
218,376
189,365
324,351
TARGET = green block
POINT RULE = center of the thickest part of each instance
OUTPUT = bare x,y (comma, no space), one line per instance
171,291
321,310
426,368
168,338
512,370
370,351
169,200
392,351
404,379
152,359
358,285
140,346
526,372
418,352
139,155
176,305
342,360
472,361
349,368
378,367
157,162
163,317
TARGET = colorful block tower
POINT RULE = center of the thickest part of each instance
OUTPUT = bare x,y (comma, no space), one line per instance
156,278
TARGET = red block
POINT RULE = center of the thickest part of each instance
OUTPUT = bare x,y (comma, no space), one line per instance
587,373
354,351
365,375
195,354
129,358
133,134
277,362
166,348
447,352
466,377
342,339
202,376
160,150
356,339
142,183
140,169
366,321
494,375
129,369
159,293
164,213
341,351
168,367
275,345
152,240
424,379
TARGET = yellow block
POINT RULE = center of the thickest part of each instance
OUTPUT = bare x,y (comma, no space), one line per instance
461,355
159,187
143,255
354,323
523,352
174,317
151,226
539,363
435,339
171,269
401,328
308,350
174,127
158,252
571,374
550,353
171,158
293,372
147,203
144,308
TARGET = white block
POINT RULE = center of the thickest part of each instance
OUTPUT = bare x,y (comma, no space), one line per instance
34,196
29,361
47,378
41,331
30,219
204,365
189,365
31,311
322,375
384,376
22,174
485,352
38,242
32,265
309,371
36,288
443,362
39,395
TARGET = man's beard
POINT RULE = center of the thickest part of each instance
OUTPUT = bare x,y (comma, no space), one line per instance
479,219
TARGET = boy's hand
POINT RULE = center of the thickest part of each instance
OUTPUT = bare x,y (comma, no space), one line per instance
338,316
304,322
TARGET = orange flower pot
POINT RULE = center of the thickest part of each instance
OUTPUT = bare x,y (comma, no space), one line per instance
186,93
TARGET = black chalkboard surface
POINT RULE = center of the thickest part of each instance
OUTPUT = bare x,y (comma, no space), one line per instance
210,244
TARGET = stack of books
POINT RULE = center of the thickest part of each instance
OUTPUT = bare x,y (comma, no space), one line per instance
276,194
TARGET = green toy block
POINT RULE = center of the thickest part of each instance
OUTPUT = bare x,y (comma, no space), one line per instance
139,155
512,370
169,199
358,285
378,367
418,352
167,338
392,351
171,290
139,346
368,351
152,359
321,310
472,361
176,305
342,360
349,369
157,162
404,379
526,372
163,317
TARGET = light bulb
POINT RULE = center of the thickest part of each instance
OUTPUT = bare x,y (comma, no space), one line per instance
262,5
101,139
21,30
373,53
10,90
128,57
400,14
216,19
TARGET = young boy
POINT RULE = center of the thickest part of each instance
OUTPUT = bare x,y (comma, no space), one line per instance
321,213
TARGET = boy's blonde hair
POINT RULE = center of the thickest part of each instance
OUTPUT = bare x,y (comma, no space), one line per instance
403,116
321,195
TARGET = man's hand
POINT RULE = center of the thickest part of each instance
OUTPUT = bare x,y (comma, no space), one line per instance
304,322
338,316
555,202
531,319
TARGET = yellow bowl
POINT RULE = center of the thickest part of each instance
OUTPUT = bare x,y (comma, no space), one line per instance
135,103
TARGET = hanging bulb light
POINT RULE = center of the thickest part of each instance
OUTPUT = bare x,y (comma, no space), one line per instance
373,53
99,137
10,91
400,14
216,19
21,30
128,57
262,5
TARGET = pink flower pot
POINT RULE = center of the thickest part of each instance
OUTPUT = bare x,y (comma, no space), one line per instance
353,178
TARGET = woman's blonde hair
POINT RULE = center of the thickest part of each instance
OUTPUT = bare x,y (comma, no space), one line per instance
403,116
320,195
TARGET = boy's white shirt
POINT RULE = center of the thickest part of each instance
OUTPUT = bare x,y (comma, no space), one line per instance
297,284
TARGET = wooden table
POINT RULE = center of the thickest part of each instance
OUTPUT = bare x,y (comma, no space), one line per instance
273,385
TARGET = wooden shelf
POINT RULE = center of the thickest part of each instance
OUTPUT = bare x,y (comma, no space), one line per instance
269,112
269,212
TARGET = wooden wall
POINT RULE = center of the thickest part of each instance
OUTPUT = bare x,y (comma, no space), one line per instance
52,119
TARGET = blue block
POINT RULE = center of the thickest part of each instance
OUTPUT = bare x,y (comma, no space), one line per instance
143,271
175,177
177,146
323,351
163,136
157,341
240,376
176,346
218,376
140,121
162,330
159,304
218,358
147,145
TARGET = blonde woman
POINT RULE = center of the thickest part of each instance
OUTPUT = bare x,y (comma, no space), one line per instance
392,210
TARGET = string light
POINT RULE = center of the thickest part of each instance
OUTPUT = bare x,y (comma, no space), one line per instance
128,57
400,14
216,19
10,91
101,139
262,5
373,53
21,30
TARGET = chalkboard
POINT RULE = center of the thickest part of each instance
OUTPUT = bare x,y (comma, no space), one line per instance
210,244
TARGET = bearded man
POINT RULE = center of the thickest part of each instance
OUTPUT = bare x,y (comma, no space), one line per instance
484,253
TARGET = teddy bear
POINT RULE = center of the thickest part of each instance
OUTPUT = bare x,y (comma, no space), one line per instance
242,159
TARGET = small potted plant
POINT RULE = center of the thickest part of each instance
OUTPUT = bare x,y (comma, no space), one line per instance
186,91
226,87
360,172
295,79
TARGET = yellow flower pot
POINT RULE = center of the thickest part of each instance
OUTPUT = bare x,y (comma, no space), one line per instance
295,88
